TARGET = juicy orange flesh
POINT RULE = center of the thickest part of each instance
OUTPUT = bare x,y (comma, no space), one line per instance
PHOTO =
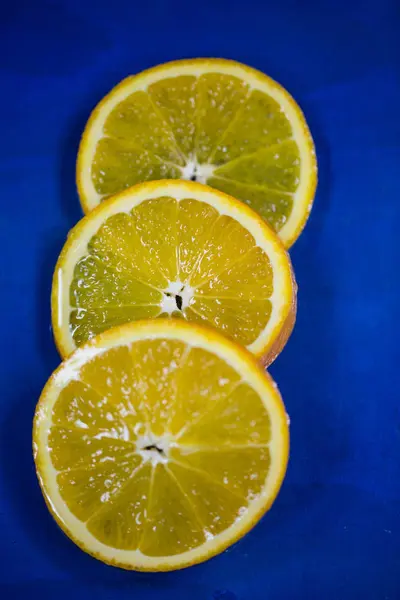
211,429
185,122
134,257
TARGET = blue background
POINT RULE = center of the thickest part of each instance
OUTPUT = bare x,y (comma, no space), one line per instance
334,532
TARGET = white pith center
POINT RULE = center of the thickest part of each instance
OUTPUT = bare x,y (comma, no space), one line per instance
176,297
192,171
154,449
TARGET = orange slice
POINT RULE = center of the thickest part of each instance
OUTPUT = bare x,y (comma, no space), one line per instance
159,444
214,121
174,249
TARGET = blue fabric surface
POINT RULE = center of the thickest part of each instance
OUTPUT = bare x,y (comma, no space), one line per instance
334,532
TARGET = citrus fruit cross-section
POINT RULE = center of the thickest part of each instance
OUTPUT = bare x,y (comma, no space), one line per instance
210,120
174,249
158,444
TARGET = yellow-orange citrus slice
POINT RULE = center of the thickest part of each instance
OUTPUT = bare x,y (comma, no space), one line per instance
215,121
174,249
158,444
